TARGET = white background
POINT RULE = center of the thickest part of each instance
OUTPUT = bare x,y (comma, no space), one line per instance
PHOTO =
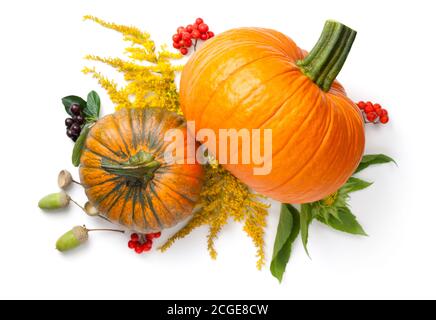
392,62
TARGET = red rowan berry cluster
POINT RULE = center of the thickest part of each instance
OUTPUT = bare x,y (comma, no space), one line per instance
142,243
373,112
190,35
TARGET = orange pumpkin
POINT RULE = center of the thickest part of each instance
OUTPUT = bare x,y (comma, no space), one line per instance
260,79
125,175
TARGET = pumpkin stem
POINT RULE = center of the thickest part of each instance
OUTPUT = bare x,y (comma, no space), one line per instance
326,59
139,168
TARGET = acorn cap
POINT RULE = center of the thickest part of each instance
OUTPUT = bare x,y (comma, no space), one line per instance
81,234
64,179
91,210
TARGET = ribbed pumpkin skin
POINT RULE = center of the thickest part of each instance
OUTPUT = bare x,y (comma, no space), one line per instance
161,203
248,78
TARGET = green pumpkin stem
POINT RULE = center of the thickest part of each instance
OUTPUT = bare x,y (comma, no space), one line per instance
140,167
325,61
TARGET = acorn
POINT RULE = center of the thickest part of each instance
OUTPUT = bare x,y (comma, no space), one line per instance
77,236
72,239
54,201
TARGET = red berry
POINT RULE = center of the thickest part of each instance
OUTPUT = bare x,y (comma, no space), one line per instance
177,45
184,51
180,30
210,34
195,26
369,103
203,28
361,105
177,37
198,21
379,112
139,249
384,112
147,246
204,36
369,108
134,237
384,119
157,235
132,244
187,43
377,106
196,34
149,236
189,28
186,35
371,116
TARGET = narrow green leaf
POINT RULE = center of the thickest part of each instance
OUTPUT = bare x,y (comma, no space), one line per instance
355,184
372,159
287,232
306,218
347,222
68,101
80,143
92,109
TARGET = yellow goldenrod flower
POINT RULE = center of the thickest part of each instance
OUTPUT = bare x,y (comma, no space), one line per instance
149,74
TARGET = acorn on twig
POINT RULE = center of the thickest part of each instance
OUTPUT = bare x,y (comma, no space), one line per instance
57,201
77,236
72,239
54,201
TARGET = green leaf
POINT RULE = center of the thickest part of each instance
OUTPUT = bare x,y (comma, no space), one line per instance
287,232
80,143
68,101
306,218
346,222
372,159
92,109
355,184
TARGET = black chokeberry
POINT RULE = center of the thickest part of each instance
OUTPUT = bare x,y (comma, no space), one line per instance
75,109
70,133
69,122
75,128
79,119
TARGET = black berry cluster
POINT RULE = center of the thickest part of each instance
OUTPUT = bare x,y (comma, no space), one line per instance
74,125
